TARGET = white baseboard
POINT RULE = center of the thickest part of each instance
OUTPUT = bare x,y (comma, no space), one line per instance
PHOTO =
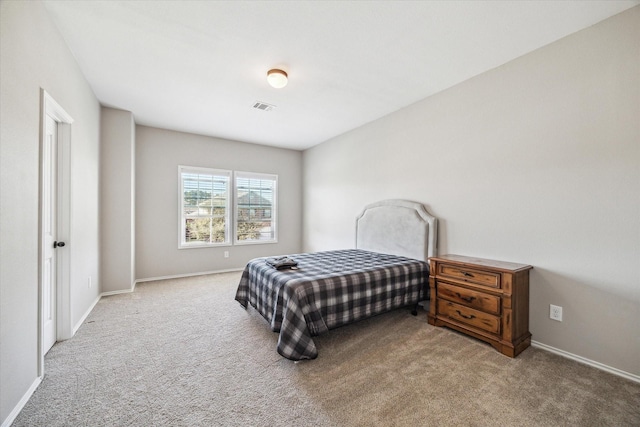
16,410
179,276
584,360
85,315
124,291
174,276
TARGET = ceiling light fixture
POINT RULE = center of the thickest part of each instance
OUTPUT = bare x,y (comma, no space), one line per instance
277,78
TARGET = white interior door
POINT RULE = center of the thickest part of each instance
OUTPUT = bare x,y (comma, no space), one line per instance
54,293
49,232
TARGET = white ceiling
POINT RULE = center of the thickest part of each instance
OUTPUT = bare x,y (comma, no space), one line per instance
199,66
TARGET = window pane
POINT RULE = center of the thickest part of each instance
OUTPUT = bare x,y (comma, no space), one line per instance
255,204
205,230
204,206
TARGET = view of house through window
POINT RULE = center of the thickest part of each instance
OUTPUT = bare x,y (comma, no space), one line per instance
255,207
205,212
205,207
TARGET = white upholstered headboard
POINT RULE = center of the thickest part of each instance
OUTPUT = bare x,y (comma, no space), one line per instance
397,227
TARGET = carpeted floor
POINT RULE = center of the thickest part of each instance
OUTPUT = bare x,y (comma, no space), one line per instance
184,353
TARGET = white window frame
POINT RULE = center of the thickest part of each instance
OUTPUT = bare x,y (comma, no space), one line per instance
182,244
274,207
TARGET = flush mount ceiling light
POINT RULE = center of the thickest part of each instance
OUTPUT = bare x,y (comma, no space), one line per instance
277,78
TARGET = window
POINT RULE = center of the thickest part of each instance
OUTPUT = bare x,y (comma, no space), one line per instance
255,208
204,207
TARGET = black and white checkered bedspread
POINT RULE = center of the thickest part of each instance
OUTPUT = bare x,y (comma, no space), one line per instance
328,290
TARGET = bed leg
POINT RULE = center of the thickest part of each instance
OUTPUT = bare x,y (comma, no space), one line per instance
421,291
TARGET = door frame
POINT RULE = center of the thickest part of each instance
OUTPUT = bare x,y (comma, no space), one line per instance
64,329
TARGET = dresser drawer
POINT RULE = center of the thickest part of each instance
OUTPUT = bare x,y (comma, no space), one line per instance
468,297
479,277
469,316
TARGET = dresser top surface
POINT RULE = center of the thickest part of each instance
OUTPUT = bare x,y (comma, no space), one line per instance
481,262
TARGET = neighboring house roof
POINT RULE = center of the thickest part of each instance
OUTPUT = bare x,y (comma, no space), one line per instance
253,198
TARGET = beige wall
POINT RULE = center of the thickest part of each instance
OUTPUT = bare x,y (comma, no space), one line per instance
33,55
158,155
117,200
537,161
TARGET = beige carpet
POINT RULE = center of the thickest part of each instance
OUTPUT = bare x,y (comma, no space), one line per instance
184,353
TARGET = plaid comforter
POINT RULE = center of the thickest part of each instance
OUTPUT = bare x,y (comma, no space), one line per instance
329,289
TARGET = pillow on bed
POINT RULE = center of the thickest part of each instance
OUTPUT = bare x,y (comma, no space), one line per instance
281,263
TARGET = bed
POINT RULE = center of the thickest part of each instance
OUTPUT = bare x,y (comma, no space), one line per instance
387,270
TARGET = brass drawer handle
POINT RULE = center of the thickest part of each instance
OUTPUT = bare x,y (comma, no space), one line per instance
466,317
465,274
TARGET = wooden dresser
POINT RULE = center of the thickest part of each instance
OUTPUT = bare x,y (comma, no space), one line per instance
486,299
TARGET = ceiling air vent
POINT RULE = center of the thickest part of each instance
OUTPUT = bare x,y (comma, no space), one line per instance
263,106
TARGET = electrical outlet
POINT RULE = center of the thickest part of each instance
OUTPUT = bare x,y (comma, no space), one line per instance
89,282
555,312
226,254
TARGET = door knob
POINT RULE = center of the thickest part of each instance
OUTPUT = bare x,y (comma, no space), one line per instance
58,244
